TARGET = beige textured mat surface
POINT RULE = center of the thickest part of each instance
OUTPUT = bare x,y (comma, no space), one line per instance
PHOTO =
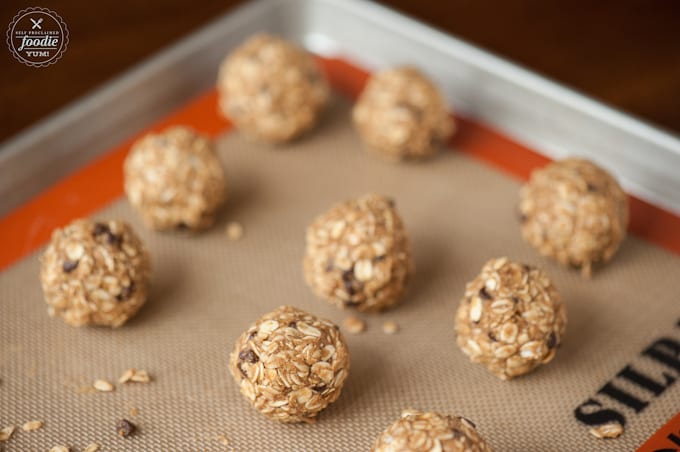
208,289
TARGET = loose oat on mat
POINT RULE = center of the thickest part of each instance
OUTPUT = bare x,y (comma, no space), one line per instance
605,431
235,231
6,432
390,327
354,325
60,449
103,385
31,426
134,375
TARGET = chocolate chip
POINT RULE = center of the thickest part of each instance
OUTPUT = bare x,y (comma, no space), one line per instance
319,388
252,334
515,299
125,428
457,432
114,239
182,226
101,228
492,336
126,292
248,356
69,266
484,294
552,340
292,324
591,188
348,281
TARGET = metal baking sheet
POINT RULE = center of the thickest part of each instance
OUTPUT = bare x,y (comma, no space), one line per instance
547,117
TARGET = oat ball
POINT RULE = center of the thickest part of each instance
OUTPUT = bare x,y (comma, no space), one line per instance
271,89
401,114
290,364
95,273
511,318
574,212
358,254
416,431
175,180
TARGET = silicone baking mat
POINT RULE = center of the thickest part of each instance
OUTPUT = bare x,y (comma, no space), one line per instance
207,289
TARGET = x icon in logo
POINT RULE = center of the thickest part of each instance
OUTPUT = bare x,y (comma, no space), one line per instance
36,23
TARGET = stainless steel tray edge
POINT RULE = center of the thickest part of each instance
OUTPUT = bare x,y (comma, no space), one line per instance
546,116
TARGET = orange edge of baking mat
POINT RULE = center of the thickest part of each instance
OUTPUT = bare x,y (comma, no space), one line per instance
92,186
83,192
667,438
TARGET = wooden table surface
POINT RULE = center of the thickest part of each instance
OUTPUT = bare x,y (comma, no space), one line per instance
623,52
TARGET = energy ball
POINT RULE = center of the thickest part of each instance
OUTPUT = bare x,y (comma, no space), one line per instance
574,212
422,432
95,273
175,180
358,254
402,115
511,318
271,89
290,364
